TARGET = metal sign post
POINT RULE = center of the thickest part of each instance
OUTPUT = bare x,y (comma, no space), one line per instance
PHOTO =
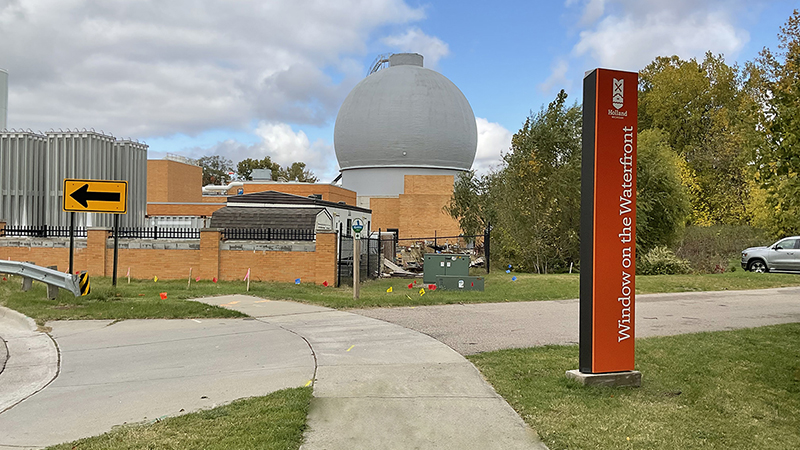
357,227
356,267
71,242
116,249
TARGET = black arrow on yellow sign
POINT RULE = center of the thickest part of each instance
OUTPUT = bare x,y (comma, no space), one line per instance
83,195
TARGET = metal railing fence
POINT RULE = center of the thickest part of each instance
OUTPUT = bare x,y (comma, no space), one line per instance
40,231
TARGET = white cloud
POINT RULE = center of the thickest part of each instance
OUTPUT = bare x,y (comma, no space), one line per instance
594,10
156,68
493,140
558,77
415,41
283,145
633,33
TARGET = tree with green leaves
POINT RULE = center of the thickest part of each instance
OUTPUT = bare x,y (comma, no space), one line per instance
245,167
215,169
662,204
708,112
470,203
295,172
298,172
778,160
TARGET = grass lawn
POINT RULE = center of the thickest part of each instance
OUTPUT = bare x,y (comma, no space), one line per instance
722,390
140,299
275,421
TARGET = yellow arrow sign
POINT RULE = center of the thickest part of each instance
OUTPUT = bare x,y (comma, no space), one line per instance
104,196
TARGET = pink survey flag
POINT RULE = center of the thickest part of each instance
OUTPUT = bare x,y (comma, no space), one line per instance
247,275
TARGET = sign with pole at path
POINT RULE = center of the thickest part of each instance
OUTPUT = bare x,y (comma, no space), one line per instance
608,229
98,196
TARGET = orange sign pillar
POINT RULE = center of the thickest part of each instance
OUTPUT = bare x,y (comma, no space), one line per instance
608,221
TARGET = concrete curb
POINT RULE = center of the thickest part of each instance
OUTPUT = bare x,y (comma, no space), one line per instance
9,317
32,359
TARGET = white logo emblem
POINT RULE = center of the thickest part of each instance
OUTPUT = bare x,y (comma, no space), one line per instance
616,99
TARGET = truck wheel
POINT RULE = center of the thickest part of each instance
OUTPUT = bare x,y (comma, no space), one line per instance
757,266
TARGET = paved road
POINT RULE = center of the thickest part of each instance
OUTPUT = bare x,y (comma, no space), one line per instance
475,328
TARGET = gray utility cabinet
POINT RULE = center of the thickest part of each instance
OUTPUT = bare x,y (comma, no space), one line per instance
437,264
456,283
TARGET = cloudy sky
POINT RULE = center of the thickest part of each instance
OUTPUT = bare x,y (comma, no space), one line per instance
254,78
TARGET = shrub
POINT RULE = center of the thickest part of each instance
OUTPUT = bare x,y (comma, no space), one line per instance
661,261
709,249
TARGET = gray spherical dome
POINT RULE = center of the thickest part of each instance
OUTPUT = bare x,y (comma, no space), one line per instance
405,116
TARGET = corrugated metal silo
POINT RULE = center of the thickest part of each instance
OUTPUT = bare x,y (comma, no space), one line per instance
78,154
3,99
131,165
22,189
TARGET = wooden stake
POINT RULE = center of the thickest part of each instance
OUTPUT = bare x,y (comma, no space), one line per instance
129,275
190,279
248,279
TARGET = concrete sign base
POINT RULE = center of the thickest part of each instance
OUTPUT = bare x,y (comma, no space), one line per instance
631,378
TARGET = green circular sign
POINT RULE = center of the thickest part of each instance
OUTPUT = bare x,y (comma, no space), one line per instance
357,226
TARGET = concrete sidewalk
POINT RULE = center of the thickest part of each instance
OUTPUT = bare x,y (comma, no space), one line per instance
377,385
382,386
140,370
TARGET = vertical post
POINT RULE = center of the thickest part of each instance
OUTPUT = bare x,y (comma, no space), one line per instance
380,260
487,234
116,250
435,244
71,242
356,268
339,257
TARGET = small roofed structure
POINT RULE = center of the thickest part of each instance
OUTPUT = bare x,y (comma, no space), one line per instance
278,210
276,218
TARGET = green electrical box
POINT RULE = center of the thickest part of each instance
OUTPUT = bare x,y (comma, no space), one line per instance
456,283
444,264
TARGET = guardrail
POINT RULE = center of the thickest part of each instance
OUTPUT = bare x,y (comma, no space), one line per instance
51,277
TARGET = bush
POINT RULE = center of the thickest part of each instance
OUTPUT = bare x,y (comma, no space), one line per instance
661,261
711,249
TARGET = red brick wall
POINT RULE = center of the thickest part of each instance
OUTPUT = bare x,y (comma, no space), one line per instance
46,256
311,267
210,261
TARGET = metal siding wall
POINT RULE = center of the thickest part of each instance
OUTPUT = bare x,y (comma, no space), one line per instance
33,168
21,186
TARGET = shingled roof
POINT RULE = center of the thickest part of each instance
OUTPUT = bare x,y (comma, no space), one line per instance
250,217
282,198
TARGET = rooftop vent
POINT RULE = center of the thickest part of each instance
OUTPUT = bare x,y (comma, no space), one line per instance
261,175
405,59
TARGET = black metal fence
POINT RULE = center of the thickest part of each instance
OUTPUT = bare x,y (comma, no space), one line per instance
260,234
158,233
368,263
41,231
268,234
